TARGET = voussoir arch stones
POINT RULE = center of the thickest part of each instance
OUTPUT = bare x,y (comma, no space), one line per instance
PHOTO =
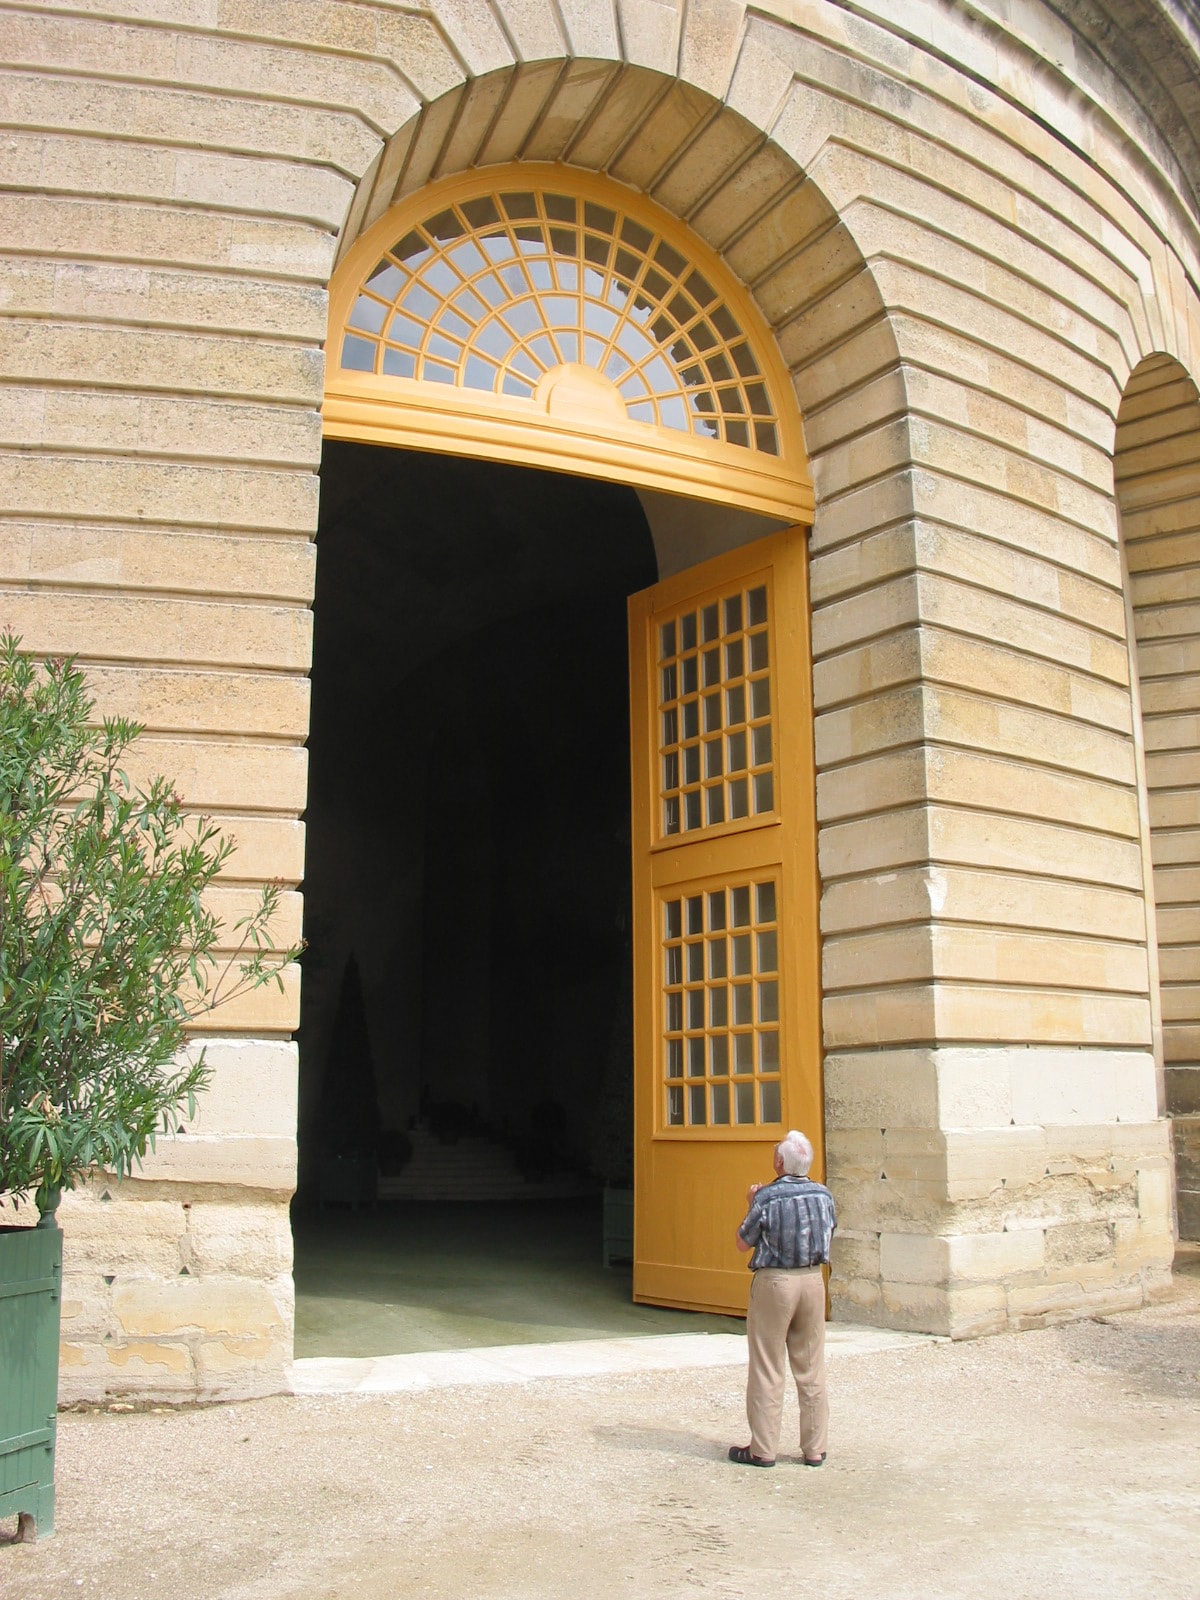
699,158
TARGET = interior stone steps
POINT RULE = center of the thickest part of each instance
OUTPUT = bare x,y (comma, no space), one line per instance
473,1168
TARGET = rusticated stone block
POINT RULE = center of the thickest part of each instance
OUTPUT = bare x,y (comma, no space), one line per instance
215,1307
1078,1244
242,1369
243,1240
109,1229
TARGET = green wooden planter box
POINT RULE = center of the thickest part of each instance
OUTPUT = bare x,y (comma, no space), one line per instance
30,1298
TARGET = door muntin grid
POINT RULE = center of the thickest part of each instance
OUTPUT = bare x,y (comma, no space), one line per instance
716,743
720,1021
492,293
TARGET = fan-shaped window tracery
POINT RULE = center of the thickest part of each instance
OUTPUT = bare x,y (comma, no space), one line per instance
495,292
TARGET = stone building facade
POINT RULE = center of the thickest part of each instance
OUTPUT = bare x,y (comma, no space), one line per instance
973,231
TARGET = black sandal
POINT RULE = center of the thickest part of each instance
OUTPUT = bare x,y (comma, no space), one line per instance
745,1457
818,1462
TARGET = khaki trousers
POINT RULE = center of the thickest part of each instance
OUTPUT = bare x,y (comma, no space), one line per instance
787,1317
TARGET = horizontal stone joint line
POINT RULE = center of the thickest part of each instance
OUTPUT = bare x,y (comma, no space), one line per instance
322,49
914,464
944,980
1013,313
924,800
971,337
961,747
934,861
279,465
1037,68
920,623
959,240
99,519
164,264
168,202
986,536
248,336
167,142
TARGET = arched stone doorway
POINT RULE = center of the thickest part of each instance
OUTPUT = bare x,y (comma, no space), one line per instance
1157,470
960,265
537,314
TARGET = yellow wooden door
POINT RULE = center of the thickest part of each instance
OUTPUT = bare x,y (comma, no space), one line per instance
726,966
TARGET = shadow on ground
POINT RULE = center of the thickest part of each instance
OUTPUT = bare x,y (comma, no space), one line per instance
405,1277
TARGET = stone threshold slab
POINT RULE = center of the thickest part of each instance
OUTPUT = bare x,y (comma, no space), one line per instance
580,1358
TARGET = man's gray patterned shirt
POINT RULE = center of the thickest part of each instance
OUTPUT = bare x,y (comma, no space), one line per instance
790,1223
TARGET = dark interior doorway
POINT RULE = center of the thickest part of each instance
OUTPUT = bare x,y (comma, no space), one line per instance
468,797
467,981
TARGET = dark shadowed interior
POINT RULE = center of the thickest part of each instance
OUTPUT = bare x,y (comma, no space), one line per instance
467,981
468,832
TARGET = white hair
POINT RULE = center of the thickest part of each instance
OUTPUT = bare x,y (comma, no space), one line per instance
796,1153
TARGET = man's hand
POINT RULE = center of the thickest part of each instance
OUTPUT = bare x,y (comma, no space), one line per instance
751,1192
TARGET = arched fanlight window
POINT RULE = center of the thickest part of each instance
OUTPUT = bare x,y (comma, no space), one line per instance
496,292
548,297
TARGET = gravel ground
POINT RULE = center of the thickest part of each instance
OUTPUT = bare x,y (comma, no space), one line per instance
1059,1463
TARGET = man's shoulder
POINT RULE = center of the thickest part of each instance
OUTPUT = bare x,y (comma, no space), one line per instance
790,1188
790,1183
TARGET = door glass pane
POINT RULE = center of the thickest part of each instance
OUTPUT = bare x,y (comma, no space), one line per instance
713,1028
704,659
768,1001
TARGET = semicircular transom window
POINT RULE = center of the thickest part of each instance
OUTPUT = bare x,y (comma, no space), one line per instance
498,292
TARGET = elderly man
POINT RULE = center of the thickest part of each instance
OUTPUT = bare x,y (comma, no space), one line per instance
789,1227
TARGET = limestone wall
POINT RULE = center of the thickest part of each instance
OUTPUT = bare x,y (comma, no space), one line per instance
966,246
